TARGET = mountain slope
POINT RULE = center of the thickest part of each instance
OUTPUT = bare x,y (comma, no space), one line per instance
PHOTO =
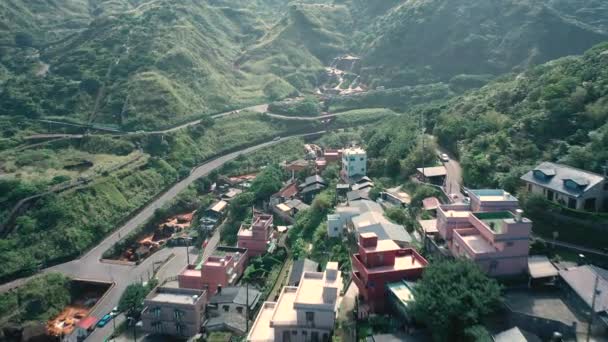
156,64
435,40
555,111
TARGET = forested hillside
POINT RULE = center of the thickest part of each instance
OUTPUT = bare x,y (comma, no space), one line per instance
556,111
425,41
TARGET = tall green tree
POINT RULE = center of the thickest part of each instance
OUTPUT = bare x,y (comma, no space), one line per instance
453,296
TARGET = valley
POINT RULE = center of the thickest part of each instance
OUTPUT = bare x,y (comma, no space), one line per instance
115,112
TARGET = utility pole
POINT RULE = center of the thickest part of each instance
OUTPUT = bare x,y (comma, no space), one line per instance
247,307
591,316
187,252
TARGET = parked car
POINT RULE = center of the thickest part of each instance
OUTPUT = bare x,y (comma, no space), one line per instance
104,320
444,157
114,311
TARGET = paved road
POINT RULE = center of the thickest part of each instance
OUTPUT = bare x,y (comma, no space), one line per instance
453,181
89,265
259,108
307,118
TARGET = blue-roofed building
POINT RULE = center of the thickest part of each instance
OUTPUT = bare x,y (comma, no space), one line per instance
568,186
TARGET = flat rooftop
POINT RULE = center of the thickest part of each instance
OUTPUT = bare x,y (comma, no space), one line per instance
494,220
478,244
311,286
192,272
176,296
381,246
402,262
493,195
284,313
261,330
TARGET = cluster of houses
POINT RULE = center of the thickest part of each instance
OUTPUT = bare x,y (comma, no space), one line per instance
207,294
488,228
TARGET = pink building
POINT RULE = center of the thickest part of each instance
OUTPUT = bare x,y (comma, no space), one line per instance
223,268
380,262
255,237
489,231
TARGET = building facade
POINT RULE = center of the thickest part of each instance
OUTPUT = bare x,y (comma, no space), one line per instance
490,231
256,236
380,262
304,313
568,186
354,164
174,311
222,268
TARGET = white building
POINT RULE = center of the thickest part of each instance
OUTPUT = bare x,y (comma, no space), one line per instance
335,226
354,163
303,313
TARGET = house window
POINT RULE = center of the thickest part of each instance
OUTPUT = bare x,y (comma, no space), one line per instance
362,169
361,159
239,309
606,186
371,284
179,329
493,265
510,244
571,203
529,187
157,327
226,308
310,317
325,337
156,312
177,314
314,336
286,336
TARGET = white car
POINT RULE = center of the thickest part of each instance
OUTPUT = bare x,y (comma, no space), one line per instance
444,157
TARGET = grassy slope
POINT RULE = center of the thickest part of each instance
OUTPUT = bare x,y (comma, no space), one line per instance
299,45
162,62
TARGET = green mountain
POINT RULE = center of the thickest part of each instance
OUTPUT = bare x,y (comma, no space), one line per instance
425,41
555,111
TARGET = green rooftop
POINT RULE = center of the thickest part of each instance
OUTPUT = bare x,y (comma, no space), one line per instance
494,219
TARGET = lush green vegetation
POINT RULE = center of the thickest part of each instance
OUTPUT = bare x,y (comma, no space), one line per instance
556,111
132,299
452,297
38,300
308,106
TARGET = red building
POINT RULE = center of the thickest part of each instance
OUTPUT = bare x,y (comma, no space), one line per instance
224,267
255,237
380,262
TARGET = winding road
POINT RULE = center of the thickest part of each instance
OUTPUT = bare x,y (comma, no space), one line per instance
90,266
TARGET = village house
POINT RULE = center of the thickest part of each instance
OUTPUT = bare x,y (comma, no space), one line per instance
172,311
490,231
568,186
312,186
435,174
288,210
222,268
288,192
581,282
228,308
354,164
303,313
380,262
256,236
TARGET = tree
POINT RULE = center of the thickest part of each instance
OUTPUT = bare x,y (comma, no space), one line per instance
453,296
131,301
266,183
23,39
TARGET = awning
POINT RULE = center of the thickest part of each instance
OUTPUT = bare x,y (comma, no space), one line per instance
539,266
